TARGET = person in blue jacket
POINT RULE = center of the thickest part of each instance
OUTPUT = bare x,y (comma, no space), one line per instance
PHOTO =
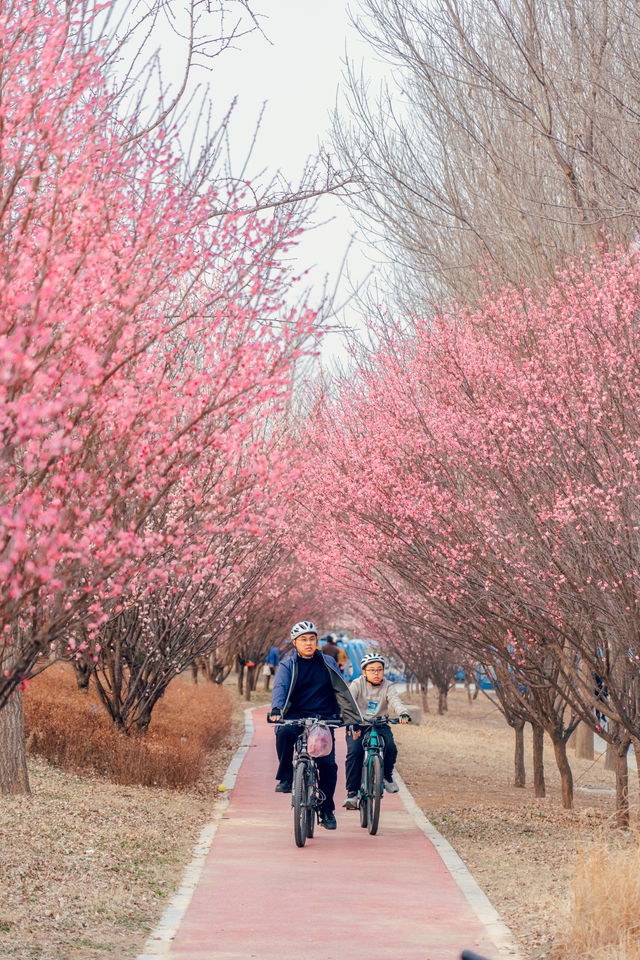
271,663
309,684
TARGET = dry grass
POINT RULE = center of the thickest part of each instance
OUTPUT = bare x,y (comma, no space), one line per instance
73,730
526,854
87,865
604,920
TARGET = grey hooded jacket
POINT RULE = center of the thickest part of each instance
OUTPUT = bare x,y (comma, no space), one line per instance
375,701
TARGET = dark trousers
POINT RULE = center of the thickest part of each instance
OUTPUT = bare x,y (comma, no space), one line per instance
355,756
327,767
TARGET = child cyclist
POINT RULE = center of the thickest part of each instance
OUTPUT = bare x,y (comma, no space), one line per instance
373,695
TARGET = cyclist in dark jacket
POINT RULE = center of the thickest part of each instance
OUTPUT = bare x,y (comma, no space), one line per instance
309,684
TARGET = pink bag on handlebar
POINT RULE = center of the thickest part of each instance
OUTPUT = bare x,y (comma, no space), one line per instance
319,741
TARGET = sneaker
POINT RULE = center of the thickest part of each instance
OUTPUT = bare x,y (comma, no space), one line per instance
328,821
284,786
391,786
351,803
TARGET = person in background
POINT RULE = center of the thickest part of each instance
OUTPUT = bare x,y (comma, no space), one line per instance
342,659
271,663
331,648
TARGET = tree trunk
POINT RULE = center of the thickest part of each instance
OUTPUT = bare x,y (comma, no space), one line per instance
566,777
539,787
442,702
424,688
240,671
83,675
141,727
520,773
622,787
13,751
610,758
636,750
584,742
248,683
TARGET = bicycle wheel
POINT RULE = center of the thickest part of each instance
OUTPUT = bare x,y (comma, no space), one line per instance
300,803
364,792
374,794
311,808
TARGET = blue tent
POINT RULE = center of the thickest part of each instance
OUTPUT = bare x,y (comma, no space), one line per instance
355,650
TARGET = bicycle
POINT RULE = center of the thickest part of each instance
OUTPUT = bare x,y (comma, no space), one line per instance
371,788
306,795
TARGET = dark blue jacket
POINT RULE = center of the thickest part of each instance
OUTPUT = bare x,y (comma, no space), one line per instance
273,657
285,681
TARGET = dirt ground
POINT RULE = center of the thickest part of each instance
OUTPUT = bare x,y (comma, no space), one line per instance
87,867
521,850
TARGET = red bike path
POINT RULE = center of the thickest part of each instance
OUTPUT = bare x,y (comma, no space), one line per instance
251,893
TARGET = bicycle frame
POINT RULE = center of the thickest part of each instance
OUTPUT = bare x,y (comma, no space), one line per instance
373,745
371,784
373,742
302,755
306,797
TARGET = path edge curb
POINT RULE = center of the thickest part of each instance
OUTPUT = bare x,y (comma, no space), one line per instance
499,932
160,939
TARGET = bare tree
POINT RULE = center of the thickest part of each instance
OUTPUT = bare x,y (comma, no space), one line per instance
506,138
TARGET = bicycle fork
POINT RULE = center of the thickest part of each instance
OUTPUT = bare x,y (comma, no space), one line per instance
314,800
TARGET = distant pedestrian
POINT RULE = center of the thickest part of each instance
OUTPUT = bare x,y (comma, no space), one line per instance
331,648
271,664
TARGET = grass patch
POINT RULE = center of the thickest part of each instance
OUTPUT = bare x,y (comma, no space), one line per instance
604,920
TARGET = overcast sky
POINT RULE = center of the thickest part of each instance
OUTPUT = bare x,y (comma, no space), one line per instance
294,67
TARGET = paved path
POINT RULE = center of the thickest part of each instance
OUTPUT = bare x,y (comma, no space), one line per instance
251,893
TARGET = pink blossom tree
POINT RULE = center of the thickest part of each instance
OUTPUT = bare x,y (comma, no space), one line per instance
144,343
483,475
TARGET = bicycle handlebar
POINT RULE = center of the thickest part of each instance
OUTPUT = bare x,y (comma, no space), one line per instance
305,721
470,955
378,721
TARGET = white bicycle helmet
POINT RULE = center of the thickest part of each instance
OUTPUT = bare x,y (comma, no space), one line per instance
304,626
372,658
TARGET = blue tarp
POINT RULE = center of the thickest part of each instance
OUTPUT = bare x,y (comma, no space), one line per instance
355,650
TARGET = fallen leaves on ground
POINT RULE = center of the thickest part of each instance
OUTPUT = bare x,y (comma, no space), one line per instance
521,850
